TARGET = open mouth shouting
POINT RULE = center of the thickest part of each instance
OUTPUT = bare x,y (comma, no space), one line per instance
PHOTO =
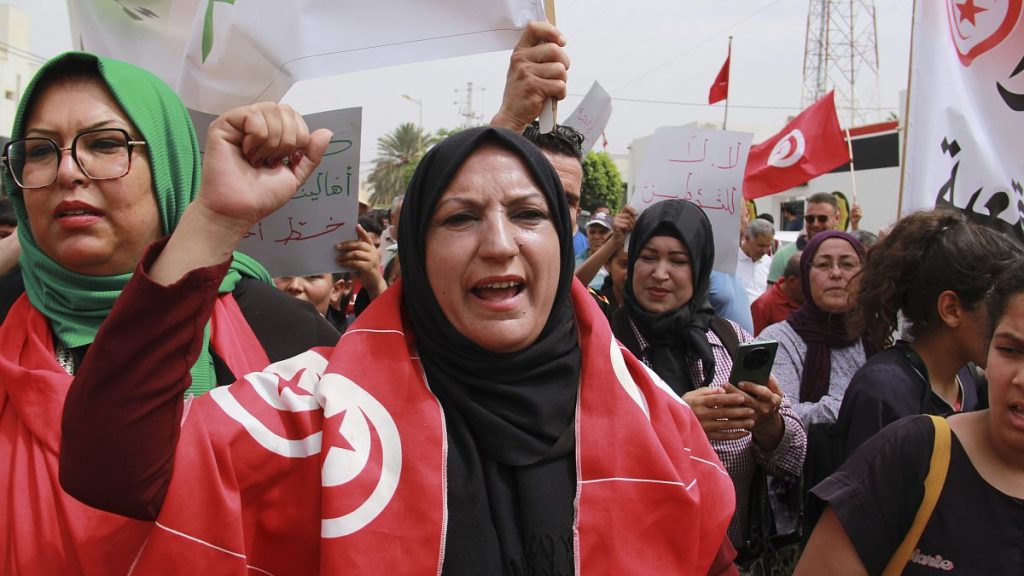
498,293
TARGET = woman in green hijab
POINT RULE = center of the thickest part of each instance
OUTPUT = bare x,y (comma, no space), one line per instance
102,163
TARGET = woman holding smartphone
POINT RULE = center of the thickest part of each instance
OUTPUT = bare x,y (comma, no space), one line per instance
668,323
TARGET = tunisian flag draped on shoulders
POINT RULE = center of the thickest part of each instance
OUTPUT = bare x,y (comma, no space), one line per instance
327,464
810,145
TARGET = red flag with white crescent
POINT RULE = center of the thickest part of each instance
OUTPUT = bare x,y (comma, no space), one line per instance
810,145
329,464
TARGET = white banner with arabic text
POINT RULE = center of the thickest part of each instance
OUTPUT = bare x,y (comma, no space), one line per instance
966,110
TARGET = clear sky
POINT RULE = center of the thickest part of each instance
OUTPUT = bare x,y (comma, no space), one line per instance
657,58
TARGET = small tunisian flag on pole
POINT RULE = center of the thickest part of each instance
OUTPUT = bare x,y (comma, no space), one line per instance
720,89
811,144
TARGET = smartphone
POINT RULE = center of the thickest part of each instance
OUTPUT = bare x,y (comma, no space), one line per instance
753,362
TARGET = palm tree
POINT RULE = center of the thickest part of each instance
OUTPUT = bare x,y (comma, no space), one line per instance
398,154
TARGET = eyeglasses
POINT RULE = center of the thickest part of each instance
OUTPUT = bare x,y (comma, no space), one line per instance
102,154
809,218
845,266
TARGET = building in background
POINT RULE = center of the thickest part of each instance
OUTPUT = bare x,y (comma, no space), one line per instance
17,63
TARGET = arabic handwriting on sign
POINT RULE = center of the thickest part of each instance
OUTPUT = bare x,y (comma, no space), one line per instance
258,232
294,235
325,186
734,159
337,147
691,157
586,122
648,193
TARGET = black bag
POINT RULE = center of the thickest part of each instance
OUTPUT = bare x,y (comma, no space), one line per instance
767,553
825,454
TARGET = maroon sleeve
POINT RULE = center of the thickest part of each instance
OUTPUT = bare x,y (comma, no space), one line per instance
123,411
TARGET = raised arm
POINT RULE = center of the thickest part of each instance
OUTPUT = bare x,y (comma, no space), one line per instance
537,72
621,226
256,158
122,414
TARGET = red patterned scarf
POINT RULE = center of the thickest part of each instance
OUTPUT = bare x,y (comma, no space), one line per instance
333,462
43,530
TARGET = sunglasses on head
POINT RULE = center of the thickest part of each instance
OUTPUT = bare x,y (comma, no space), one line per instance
809,218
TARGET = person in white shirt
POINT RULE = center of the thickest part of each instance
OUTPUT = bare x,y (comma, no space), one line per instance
752,266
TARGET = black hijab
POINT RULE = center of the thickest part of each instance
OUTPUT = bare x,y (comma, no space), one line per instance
509,416
678,337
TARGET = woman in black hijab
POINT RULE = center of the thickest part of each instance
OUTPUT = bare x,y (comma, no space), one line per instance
509,413
484,428
668,323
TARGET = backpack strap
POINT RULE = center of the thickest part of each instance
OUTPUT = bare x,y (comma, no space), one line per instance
933,484
727,334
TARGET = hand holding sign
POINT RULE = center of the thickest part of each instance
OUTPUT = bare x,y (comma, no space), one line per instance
537,72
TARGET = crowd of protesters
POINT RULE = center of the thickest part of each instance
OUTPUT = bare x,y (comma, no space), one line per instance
534,396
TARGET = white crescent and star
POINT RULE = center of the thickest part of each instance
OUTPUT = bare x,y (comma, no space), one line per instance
355,426
788,150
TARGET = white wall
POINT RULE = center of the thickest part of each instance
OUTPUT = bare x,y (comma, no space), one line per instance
15,69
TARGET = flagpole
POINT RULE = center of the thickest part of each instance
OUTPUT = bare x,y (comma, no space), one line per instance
725,121
853,179
905,129
549,112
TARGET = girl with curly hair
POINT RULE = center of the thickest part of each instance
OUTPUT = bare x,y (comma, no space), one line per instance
934,268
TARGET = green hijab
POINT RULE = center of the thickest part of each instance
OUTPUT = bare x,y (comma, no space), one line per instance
76,304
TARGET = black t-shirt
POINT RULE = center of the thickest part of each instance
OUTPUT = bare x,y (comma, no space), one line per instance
975,529
890,385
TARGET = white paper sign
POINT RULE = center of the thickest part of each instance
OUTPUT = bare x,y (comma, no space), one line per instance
299,238
591,117
964,144
705,167
219,54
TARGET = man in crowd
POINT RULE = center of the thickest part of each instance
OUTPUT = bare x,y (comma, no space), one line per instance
781,298
790,220
753,262
821,213
599,229
562,148
372,228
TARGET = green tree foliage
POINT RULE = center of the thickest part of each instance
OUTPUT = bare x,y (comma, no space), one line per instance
602,183
398,154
